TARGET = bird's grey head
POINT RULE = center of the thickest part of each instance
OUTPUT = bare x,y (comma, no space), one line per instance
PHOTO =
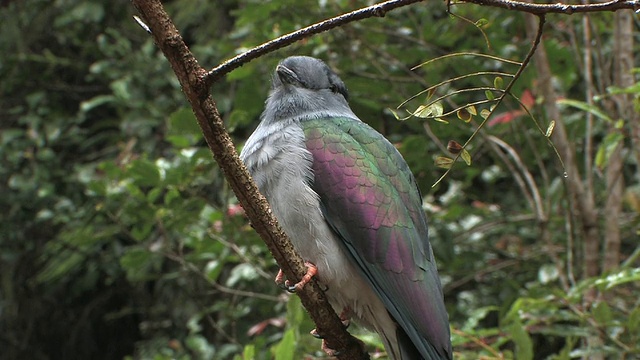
304,86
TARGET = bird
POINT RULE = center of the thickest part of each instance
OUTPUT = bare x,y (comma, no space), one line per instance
348,201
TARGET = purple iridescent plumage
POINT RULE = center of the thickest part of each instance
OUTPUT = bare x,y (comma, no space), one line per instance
369,197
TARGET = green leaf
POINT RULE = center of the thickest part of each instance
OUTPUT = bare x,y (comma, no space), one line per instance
144,173
171,195
473,319
295,312
95,102
135,262
249,352
633,322
238,118
581,105
213,269
285,348
242,271
489,95
614,90
498,82
481,22
619,278
606,149
602,313
60,266
522,340
154,194
180,141
200,346
183,122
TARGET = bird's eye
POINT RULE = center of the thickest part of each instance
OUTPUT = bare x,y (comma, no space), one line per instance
336,89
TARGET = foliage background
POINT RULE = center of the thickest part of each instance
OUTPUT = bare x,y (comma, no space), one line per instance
119,238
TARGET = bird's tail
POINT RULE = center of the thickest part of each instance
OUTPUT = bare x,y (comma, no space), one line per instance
398,344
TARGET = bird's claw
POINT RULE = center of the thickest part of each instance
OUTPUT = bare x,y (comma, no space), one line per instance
344,318
312,270
315,334
287,287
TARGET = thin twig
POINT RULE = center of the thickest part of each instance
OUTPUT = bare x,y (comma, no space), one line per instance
377,10
516,76
448,81
557,8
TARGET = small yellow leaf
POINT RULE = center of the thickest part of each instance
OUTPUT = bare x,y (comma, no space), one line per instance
498,82
444,162
466,157
485,113
552,125
464,115
422,111
472,110
434,110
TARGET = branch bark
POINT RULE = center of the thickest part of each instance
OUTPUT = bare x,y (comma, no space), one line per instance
378,10
557,8
192,78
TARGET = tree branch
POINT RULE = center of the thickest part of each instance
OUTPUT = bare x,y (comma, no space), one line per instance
377,10
193,79
557,8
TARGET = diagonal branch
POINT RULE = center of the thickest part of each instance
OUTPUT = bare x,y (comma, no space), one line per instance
505,92
192,78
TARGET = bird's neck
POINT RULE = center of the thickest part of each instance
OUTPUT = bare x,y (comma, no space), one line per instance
301,105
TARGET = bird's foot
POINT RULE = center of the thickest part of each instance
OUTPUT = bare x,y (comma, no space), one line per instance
327,350
312,270
345,318
331,352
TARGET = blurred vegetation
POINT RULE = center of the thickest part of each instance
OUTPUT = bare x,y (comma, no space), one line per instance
119,238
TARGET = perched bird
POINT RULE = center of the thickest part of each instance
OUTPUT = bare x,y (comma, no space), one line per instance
349,203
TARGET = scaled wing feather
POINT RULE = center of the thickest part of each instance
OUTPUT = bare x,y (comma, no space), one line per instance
369,197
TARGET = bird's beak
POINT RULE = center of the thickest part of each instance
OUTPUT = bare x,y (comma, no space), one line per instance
286,75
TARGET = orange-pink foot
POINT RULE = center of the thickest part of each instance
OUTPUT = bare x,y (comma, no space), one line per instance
312,270
345,317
